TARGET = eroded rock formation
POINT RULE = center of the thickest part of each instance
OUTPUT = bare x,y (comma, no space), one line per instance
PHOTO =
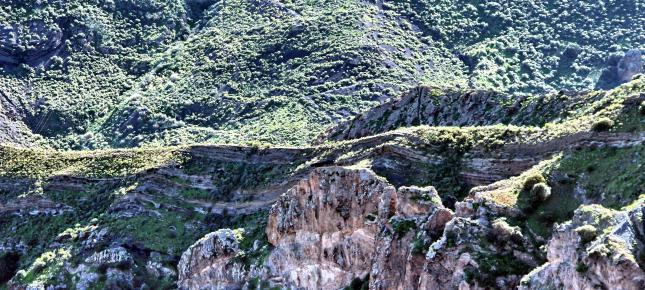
335,226
598,249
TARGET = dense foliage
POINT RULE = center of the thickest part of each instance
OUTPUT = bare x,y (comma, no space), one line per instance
534,46
123,73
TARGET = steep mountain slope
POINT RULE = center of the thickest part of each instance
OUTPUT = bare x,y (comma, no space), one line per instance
415,207
277,72
123,73
66,63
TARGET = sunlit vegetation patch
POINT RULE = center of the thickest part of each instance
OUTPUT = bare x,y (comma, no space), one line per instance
39,164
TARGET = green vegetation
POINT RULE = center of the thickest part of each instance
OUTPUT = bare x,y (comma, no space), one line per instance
532,180
558,208
39,164
254,246
531,46
582,268
173,72
402,226
535,191
44,269
359,283
492,265
606,176
610,176
541,192
170,72
604,124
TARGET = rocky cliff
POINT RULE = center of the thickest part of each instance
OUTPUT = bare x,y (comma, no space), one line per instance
337,226
554,205
435,106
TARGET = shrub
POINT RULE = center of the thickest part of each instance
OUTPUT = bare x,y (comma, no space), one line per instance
402,226
532,180
603,124
56,61
581,268
587,233
540,192
534,191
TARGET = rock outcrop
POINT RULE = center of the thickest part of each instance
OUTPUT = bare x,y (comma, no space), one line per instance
629,65
440,107
31,43
321,227
207,264
337,226
598,249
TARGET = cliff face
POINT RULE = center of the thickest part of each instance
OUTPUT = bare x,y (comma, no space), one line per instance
206,263
320,227
336,225
347,226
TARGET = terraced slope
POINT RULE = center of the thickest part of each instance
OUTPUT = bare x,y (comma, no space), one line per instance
430,200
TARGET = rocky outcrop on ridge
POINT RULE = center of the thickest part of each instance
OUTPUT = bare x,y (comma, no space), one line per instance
31,43
333,227
442,107
629,65
321,227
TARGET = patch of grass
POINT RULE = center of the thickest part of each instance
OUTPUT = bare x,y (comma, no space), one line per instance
169,233
196,193
40,164
558,208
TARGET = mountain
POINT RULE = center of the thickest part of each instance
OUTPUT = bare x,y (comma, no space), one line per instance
342,144
119,74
